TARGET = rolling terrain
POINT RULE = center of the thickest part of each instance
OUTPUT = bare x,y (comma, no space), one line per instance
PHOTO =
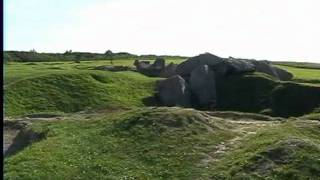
67,120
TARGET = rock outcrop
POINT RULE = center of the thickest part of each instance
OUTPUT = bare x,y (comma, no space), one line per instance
186,67
159,63
283,75
219,65
113,68
148,69
174,91
157,69
238,66
265,67
193,82
202,84
169,70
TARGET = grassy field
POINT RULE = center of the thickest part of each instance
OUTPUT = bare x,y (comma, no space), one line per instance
14,70
304,75
305,65
105,129
65,87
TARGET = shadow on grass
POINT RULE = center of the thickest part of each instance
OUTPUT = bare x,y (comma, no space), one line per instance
151,101
24,138
313,81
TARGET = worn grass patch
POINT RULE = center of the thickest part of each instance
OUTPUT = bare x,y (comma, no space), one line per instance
287,151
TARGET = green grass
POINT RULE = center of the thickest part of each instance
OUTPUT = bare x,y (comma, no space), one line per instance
305,65
14,71
158,143
304,75
143,143
69,87
74,91
314,115
163,143
290,150
32,56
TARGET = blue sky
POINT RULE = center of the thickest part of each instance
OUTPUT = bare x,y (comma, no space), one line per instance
264,29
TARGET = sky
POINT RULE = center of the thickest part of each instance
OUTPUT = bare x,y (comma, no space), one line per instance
260,29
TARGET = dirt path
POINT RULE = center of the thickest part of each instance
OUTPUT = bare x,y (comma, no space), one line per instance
243,129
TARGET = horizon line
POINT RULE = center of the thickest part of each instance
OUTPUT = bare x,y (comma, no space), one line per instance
260,59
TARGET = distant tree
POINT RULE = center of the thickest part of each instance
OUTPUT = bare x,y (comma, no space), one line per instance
108,53
68,51
33,50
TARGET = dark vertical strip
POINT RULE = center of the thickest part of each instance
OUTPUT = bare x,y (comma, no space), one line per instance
2,55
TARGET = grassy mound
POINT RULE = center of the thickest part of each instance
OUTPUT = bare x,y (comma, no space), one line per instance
68,91
145,143
288,151
161,120
168,143
285,159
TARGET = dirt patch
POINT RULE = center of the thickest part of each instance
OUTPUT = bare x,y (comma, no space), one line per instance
17,136
279,154
241,116
114,68
243,128
8,136
43,115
